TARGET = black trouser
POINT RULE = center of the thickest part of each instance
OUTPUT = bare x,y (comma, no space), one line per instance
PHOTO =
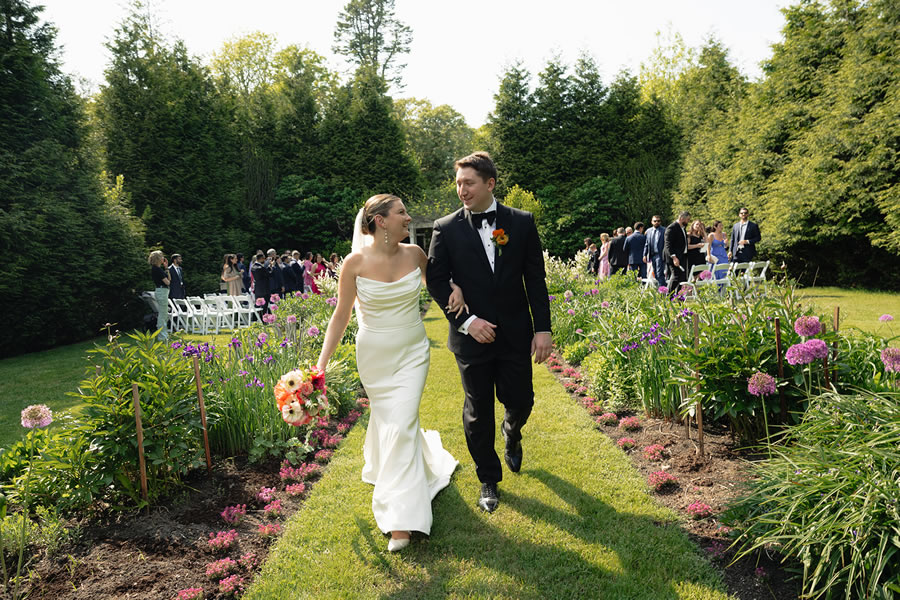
511,375
613,269
676,276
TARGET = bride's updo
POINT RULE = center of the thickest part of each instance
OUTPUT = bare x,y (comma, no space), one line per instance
374,206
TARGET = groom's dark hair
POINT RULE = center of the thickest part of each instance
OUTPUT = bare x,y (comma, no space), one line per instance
481,162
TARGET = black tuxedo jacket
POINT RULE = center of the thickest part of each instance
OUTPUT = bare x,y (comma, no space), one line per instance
675,243
176,284
261,278
513,297
617,256
752,236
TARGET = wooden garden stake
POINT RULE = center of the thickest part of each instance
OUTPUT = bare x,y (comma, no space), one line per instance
140,439
825,361
202,414
780,369
696,320
836,323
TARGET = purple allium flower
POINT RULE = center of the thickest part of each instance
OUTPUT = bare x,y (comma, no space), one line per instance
891,359
331,301
662,289
291,318
806,352
761,384
37,415
704,275
305,296
312,331
262,338
260,301
274,298
571,311
268,319
604,304
579,330
807,326
298,294
568,294
885,318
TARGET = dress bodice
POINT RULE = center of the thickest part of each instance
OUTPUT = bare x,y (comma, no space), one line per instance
384,306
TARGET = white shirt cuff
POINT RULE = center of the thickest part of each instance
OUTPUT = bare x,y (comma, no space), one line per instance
464,328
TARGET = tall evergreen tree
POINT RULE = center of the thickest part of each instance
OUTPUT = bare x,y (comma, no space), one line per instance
72,257
371,36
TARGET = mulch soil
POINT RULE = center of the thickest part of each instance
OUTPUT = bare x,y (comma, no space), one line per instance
714,479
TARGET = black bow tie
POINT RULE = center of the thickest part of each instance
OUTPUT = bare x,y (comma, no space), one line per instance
478,218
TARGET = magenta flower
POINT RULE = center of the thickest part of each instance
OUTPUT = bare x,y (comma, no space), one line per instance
571,311
604,304
331,301
705,275
274,298
268,319
630,423
37,415
291,319
761,384
222,540
190,594
607,419
660,480
891,359
806,352
312,331
298,294
233,514
266,494
579,330
221,568
295,489
305,296
626,443
232,586
268,530
655,452
807,326
699,510
260,301
662,289
885,318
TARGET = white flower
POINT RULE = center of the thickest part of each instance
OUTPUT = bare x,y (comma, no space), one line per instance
292,380
292,413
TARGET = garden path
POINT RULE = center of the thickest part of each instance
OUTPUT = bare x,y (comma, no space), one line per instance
577,522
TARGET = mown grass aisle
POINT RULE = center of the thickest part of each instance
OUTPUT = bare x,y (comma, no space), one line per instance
577,522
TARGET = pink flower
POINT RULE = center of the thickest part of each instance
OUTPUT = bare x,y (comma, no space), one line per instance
190,594
273,307
654,452
232,586
222,540
37,415
608,419
260,301
662,289
298,294
579,330
248,561
761,384
699,510
268,319
604,304
807,326
291,319
626,443
295,489
274,298
331,301
568,294
266,494
273,509
660,480
885,318
312,331
268,530
571,311
221,568
705,275
806,352
234,514
891,359
630,423
305,296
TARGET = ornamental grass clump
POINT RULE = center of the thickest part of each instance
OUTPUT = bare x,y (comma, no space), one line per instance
662,481
828,498
630,423
655,452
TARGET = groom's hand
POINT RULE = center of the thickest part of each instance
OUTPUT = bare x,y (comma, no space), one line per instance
482,331
541,346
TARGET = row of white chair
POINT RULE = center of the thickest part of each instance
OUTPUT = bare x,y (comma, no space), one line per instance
211,313
739,278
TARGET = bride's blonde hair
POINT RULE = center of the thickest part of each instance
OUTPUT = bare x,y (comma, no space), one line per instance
374,206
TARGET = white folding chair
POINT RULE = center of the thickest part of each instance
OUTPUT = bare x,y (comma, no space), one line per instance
228,310
756,276
200,314
689,287
177,317
192,322
725,269
246,311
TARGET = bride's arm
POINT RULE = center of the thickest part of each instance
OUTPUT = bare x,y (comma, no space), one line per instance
341,316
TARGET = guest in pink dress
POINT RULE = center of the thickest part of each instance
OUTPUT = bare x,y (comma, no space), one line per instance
604,256
309,282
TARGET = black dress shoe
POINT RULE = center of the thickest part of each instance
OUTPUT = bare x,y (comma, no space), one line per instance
489,497
513,454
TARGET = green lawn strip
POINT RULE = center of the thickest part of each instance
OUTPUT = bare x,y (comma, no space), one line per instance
40,378
577,522
859,308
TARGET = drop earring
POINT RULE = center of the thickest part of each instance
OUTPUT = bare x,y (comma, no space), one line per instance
385,236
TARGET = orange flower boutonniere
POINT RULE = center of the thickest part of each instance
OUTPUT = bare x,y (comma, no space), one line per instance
499,237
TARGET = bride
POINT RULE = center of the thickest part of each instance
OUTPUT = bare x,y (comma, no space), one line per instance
407,466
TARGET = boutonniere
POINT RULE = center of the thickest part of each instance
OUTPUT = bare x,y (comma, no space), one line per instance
499,237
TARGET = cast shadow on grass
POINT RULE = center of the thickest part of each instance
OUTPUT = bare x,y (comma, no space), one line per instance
539,570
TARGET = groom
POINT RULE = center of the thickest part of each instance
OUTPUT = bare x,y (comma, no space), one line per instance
494,254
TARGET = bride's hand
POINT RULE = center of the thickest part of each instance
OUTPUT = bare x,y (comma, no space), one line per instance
457,303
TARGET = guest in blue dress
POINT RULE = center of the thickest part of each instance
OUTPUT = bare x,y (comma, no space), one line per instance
717,254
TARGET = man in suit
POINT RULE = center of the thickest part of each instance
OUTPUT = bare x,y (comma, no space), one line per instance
176,278
261,272
653,249
288,274
618,260
634,248
245,273
494,254
744,237
675,251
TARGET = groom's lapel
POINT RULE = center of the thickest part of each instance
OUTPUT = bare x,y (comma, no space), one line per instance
474,239
503,220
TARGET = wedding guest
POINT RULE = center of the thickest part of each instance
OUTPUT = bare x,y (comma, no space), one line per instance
176,276
245,273
160,276
333,260
593,259
603,256
231,275
634,248
309,269
276,283
297,266
717,254
288,274
744,238
320,268
695,250
653,249
618,260
675,251
261,270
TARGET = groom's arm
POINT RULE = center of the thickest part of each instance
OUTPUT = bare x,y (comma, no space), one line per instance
438,275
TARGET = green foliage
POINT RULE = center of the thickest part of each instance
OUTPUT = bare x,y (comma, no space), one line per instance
312,214
370,35
827,497
522,199
436,136
52,205
594,207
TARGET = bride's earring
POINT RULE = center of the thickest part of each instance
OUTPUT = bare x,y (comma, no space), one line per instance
385,236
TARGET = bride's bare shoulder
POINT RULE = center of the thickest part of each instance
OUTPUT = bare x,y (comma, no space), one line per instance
416,253
353,263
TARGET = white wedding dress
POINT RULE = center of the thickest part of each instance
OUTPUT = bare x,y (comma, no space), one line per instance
407,466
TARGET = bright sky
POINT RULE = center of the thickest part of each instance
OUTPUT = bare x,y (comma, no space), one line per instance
457,56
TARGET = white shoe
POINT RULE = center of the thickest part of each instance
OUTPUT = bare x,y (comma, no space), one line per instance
397,544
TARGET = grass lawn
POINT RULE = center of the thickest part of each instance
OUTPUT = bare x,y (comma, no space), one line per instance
46,377
859,308
577,522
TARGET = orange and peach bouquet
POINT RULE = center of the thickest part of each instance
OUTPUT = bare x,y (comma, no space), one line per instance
301,395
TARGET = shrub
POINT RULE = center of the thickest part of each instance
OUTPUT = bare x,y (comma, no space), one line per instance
824,497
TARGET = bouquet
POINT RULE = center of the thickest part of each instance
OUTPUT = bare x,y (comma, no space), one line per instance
301,395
